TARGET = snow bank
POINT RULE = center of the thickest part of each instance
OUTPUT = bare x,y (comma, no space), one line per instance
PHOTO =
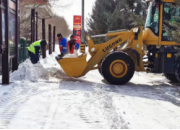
46,69
28,71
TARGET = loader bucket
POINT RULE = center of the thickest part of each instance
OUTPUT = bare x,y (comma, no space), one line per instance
74,67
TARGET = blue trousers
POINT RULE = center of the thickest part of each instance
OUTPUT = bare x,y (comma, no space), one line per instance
34,58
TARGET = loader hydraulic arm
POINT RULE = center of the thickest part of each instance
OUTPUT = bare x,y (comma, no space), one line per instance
121,37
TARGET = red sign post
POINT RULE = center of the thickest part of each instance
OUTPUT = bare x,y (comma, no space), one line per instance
77,28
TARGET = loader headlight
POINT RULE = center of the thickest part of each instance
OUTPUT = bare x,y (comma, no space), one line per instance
136,30
88,38
93,49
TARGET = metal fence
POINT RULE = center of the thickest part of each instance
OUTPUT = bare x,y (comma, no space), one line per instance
23,50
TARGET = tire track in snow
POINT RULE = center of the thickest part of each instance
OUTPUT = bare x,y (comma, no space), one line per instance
29,92
52,109
113,119
82,110
9,112
9,105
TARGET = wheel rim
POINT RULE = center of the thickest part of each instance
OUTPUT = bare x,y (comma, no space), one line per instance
118,68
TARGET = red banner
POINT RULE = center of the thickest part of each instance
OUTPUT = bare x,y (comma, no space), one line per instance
77,28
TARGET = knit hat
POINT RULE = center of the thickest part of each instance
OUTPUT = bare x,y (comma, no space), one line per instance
43,42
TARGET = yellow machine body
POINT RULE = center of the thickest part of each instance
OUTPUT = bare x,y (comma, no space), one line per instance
131,42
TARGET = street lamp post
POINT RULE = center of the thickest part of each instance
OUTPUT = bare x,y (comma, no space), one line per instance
82,21
82,30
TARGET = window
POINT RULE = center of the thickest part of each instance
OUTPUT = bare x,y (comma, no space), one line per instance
3,27
12,33
171,15
152,20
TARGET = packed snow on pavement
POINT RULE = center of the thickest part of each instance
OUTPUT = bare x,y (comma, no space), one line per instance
42,96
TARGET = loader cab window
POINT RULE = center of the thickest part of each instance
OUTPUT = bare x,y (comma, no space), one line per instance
152,20
171,15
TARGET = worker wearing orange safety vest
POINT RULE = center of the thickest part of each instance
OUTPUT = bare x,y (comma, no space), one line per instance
72,44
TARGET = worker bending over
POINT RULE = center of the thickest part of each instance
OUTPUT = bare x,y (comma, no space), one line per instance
34,50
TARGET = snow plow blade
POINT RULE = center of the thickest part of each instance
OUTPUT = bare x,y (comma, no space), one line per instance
74,67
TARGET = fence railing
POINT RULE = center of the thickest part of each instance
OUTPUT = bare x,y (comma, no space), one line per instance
23,50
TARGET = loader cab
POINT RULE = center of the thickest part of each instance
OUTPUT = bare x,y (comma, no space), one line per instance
162,50
160,14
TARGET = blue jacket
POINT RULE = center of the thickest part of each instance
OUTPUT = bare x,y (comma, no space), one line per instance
63,43
77,45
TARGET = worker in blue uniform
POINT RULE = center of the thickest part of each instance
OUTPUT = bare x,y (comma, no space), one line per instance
62,45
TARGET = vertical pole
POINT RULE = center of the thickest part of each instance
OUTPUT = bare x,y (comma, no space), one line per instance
5,54
82,30
1,35
15,60
32,25
43,37
50,37
54,38
82,34
36,26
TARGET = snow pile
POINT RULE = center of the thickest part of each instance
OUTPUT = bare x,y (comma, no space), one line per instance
46,69
28,71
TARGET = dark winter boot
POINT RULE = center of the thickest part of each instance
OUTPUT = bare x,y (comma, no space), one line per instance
59,57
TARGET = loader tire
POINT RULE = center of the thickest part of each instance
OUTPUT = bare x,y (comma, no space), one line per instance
171,77
177,70
100,71
117,68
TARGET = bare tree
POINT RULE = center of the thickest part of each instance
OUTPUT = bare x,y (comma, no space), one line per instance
44,9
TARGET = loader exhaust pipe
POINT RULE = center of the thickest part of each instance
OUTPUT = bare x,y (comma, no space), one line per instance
110,33
121,30
101,35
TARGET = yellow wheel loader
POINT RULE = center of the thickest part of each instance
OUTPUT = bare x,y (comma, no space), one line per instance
118,67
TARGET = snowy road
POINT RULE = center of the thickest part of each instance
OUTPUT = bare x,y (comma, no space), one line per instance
56,101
